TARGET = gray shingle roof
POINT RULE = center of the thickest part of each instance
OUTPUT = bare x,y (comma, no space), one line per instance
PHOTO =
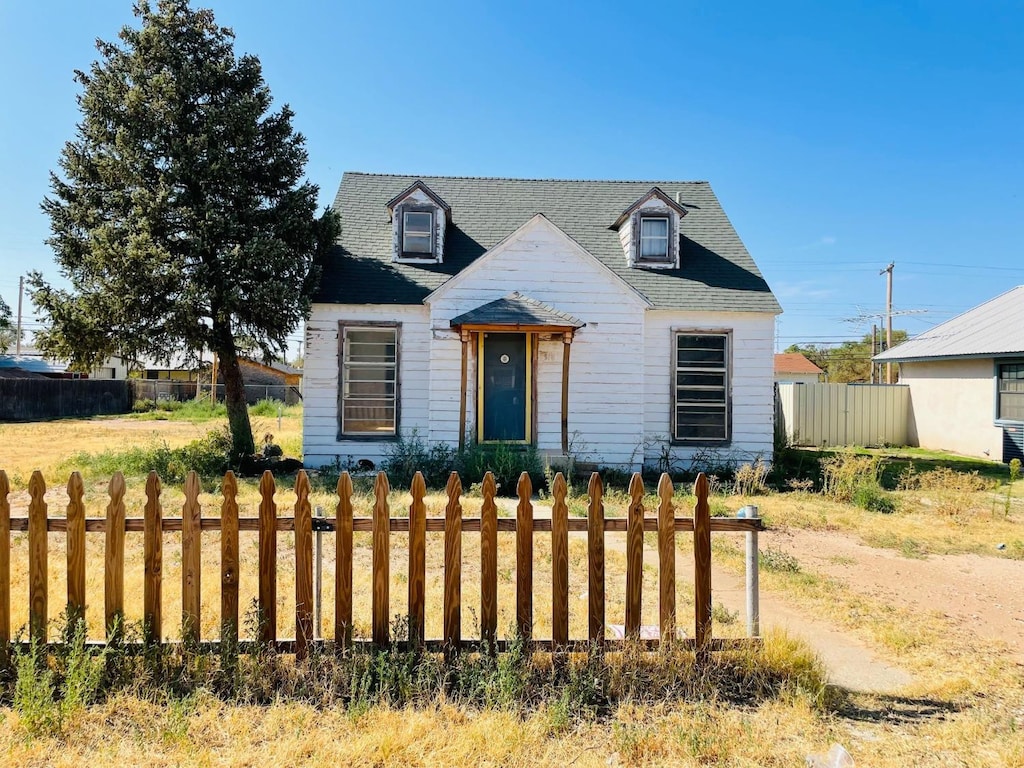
991,329
516,309
716,271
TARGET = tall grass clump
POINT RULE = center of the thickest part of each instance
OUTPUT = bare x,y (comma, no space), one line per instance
850,478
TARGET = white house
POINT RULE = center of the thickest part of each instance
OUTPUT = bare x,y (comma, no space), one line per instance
620,321
966,379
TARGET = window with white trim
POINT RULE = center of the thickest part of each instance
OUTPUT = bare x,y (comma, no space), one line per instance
1011,391
417,234
369,380
654,238
701,387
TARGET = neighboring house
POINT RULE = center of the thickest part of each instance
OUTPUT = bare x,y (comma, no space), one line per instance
794,368
966,379
621,322
31,360
274,373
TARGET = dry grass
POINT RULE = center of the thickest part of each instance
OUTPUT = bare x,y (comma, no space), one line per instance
966,708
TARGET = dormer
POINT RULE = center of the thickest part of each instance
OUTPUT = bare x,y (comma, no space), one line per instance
419,219
649,231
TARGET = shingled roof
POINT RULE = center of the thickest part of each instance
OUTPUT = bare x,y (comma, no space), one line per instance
516,309
715,273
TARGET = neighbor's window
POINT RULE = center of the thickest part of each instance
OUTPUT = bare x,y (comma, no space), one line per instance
1011,392
417,236
369,380
701,391
654,238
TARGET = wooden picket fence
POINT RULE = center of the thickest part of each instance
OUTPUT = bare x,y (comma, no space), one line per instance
381,525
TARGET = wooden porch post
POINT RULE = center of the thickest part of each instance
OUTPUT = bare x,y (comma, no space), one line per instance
462,389
566,346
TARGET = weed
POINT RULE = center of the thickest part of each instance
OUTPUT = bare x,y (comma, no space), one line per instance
208,456
778,561
750,478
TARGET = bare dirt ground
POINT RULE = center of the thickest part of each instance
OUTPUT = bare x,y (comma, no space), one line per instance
979,595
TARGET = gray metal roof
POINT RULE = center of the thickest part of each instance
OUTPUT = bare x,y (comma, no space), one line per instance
716,272
992,329
516,309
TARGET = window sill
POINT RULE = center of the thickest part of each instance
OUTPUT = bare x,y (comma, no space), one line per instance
417,259
1008,423
652,264
723,443
364,438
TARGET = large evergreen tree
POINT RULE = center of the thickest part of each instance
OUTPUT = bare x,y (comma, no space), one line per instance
180,215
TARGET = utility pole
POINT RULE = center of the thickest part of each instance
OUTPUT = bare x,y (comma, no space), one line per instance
21,291
874,351
888,318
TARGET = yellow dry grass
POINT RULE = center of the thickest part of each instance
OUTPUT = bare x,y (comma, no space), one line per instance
966,708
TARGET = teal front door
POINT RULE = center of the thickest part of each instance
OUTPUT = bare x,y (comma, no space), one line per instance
504,387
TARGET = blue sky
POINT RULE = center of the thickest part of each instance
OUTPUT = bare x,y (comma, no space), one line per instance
839,136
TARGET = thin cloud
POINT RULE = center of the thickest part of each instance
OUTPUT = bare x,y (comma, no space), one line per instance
805,289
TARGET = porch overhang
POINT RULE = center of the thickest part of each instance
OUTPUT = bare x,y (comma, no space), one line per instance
516,313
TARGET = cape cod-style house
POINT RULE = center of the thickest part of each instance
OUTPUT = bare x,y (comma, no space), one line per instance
622,321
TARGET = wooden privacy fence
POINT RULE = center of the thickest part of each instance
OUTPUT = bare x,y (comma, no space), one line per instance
381,525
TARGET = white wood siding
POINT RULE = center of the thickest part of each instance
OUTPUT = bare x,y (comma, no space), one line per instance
320,442
605,415
751,369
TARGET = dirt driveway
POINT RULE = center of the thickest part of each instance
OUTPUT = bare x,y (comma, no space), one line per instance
980,596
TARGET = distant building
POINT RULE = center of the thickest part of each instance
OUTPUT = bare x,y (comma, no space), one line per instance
794,368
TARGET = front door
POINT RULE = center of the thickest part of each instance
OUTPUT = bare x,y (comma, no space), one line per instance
504,389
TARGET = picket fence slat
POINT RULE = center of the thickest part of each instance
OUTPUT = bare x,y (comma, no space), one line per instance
229,561
524,557
37,554
595,561
489,563
666,561
267,597
418,561
113,568
191,564
76,547
453,564
559,563
634,555
153,561
343,563
380,525
5,566
381,560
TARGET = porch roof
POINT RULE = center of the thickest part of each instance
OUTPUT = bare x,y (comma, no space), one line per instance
517,311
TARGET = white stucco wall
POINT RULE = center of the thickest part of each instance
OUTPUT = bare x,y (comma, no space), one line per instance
952,405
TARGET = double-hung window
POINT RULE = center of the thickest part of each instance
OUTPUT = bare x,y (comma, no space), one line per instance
417,234
701,387
1011,391
654,238
369,380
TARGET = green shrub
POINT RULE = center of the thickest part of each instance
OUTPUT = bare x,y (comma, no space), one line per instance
268,406
873,499
145,405
506,460
208,456
411,454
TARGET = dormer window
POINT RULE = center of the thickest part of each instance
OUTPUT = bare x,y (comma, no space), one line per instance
649,231
654,238
417,234
419,219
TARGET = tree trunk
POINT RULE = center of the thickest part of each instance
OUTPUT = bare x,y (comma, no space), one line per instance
234,397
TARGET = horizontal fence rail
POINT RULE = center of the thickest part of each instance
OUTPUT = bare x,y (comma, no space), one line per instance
268,524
